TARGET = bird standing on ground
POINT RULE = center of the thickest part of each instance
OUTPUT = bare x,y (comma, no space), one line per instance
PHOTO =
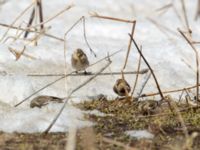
79,60
43,100
121,87
148,107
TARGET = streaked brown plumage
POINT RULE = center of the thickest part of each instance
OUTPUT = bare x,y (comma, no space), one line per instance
148,107
121,87
40,101
79,60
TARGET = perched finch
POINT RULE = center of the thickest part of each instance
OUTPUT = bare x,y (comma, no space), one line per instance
79,60
121,87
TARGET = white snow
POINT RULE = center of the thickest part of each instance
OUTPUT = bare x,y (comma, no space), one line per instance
140,134
163,53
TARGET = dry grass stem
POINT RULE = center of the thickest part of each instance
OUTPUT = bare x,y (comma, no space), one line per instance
142,71
169,91
197,15
33,14
139,51
137,75
143,84
85,37
185,16
162,27
165,7
30,30
112,18
54,16
129,45
188,65
18,54
177,14
39,4
17,18
189,41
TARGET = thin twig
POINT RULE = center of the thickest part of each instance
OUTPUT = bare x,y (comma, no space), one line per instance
197,62
73,26
177,14
139,51
30,30
20,15
77,88
169,91
197,15
167,6
180,96
39,3
143,71
196,42
187,64
54,16
129,45
30,22
84,34
146,79
85,37
162,27
112,18
19,54
137,75
185,16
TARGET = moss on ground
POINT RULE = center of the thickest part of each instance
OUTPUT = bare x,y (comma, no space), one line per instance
163,123
108,132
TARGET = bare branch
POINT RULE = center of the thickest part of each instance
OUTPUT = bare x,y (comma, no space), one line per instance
30,30
139,51
143,71
137,75
129,45
197,62
112,18
20,15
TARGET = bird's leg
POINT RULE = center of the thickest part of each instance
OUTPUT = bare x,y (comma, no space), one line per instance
85,72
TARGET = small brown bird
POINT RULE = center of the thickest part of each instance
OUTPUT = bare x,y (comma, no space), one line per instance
121,87
79,60
40,101
148,107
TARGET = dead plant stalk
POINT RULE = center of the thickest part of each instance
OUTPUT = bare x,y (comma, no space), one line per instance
197,61
139,51
17,18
